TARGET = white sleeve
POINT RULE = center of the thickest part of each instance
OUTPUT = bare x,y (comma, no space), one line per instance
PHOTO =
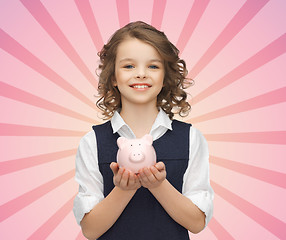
196,181
88,177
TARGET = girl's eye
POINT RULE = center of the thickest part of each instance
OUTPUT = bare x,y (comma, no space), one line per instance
128,66
153,67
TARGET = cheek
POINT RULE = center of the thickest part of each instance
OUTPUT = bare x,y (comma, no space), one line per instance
161,78
121,76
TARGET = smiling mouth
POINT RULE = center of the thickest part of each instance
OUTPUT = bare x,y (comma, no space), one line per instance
140,86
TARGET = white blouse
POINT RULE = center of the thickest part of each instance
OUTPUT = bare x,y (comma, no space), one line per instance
196,183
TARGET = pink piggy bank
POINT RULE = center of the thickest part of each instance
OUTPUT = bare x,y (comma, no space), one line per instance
134,154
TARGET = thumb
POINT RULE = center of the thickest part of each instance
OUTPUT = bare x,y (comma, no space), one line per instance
114,167
160,166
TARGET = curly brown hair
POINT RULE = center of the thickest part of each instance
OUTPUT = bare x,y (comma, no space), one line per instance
172,98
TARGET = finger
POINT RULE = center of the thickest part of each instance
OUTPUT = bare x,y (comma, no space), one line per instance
124,179
141,175
137,181
131,181
136,177
160,166
150,176
155,172
118,176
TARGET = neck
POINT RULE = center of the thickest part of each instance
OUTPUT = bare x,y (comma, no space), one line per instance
139,118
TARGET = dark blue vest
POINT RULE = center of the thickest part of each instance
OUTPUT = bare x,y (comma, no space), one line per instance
144,218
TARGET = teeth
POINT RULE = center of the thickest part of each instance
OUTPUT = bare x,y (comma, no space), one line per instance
140,86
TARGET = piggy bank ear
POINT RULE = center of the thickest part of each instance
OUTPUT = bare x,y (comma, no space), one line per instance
148,139
121,141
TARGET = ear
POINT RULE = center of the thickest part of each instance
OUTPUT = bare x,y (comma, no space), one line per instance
148,139
113,81
121,141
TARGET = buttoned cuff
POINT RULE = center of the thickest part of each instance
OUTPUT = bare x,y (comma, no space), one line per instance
83,204
204,201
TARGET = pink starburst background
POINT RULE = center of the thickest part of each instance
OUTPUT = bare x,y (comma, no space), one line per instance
235,51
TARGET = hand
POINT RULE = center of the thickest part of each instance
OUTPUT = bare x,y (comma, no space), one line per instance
123,178
153,177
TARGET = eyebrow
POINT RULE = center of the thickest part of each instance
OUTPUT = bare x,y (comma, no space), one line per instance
131,59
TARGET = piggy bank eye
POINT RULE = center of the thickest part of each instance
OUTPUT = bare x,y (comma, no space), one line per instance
139,144
131,145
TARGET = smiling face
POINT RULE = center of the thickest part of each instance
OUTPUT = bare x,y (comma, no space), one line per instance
139,72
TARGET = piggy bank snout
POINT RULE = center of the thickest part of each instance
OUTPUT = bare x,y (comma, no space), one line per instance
136,156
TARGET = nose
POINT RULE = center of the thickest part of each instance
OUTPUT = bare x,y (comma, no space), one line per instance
141,73
136,156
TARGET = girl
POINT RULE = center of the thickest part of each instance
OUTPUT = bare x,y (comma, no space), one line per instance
141,86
